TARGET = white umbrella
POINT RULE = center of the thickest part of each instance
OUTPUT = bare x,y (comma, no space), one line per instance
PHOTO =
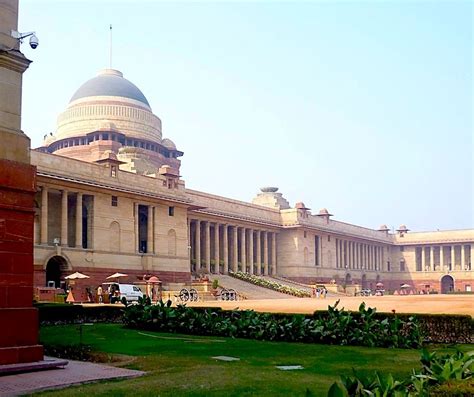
405,286
117,275
76,276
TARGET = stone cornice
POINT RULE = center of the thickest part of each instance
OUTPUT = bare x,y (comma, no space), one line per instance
14,60
101,185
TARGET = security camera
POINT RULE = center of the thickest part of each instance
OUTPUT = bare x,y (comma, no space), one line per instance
34,41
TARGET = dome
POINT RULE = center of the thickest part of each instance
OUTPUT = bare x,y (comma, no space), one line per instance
168,144
269,189
109,82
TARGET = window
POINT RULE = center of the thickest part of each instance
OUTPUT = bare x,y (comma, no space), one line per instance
113,171
114,201
402,265
316,250
388,266
171,211
305,234
329,238
402,248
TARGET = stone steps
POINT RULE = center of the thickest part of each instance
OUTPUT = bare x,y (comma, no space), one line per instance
249,290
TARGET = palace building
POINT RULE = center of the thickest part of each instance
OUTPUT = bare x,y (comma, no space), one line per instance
110,198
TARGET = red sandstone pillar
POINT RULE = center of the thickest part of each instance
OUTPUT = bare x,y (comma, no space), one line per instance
18,318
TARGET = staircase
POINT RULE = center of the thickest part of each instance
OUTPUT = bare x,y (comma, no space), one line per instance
250,291
287,282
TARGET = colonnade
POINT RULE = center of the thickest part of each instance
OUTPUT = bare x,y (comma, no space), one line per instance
63,235
354,255
443,257
218,248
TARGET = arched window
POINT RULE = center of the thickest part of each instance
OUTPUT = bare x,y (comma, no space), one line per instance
171,242
114,237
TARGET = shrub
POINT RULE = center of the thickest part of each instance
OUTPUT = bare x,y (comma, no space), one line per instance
446,375
335,327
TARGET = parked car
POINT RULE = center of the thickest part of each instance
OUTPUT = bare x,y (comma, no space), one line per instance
128,291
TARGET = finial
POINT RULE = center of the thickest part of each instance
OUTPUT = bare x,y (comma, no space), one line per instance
110,50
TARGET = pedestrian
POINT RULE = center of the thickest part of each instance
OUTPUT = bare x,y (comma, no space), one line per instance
325,292
99,294
317,293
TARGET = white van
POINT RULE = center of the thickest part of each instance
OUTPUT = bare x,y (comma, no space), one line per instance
128,291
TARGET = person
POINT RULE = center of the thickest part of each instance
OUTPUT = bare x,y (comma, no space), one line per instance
99,294
317,293
89,295
110,292
325,292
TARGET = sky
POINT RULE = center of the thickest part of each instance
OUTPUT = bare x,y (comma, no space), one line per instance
364,108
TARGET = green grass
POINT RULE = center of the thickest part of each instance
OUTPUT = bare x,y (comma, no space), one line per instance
181,365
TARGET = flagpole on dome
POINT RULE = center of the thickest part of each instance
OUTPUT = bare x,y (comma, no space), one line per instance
110,49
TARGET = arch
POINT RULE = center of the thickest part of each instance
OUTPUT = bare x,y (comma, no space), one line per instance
55,268
364,281
171,242
62,256
114,236
348,279
305,256
447,284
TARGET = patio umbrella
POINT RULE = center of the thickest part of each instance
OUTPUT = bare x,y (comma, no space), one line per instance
76,276
117,276
154,280
405,286
379,285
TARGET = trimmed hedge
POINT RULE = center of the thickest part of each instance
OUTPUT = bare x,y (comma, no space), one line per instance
434,328
76,314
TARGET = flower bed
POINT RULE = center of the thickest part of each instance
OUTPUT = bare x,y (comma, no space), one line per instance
261,282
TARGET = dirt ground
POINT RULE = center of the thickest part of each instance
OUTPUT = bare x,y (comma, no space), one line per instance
452,304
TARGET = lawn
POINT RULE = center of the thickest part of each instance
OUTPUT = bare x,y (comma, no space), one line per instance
179,365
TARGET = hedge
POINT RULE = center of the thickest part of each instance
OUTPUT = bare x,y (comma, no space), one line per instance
75,314
434,328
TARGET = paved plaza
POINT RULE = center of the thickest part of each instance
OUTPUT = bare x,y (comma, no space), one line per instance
440,304
76,372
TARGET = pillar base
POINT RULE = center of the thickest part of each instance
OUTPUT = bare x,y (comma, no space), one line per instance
18,319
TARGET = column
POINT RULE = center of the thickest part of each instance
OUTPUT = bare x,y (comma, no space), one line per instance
441,257
463,257
432,261
79,220
226,248
382,258
197,244
259,252
137,224
265,253
243,251
453,257
216,249
251,251
189,242
149,231
274,257
235,256
44,215
64,218
207,240
423,258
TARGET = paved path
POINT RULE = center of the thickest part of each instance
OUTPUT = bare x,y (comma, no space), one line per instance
442,304
74,373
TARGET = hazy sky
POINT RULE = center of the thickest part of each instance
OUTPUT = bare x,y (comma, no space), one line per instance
361,107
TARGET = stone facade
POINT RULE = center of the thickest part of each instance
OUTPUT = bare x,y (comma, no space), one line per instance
110,199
